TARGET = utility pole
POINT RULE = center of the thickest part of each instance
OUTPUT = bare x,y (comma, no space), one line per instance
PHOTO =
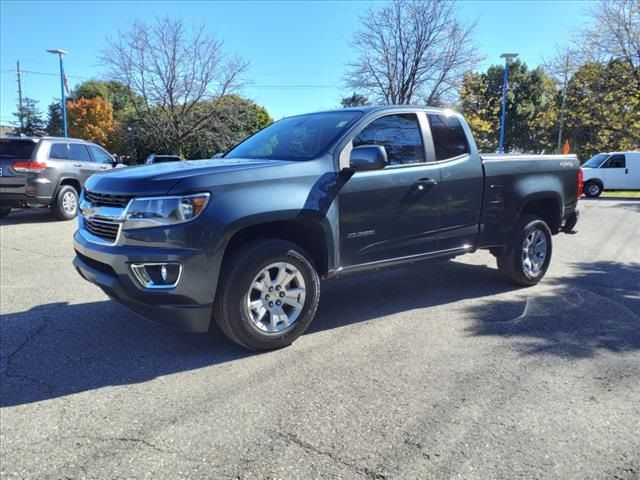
564,102
19,94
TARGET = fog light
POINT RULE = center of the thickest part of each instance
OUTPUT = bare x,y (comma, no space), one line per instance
157,275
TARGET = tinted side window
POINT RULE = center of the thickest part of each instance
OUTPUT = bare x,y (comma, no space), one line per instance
449,139
100,155
79,152
398,134
59,151
616,161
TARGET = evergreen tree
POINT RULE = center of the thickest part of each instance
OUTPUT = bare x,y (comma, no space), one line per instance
55,127
354,100
30,118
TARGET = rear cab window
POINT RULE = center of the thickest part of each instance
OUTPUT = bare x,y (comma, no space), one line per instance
449,139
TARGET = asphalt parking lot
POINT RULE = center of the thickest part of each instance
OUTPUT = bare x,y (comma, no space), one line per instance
433,371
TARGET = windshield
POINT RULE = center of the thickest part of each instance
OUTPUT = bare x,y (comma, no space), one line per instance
596,161
295,138
21,149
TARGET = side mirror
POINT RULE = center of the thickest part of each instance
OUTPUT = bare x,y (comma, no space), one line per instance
368,157
218,155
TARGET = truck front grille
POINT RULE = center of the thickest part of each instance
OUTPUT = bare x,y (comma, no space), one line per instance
107,200
102,228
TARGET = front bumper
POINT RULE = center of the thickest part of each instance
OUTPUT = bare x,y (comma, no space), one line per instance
187,307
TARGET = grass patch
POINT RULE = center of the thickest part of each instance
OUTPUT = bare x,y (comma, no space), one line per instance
622,193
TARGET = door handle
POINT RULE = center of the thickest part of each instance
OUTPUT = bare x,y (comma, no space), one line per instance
626,171
77,164
104,167
426,183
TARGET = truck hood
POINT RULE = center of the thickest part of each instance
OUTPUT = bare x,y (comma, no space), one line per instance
158,179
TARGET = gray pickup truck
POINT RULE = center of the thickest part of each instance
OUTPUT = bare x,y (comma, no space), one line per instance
243,240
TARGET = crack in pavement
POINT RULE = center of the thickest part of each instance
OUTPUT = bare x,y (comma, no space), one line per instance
11,357
309,448
137,440
33,252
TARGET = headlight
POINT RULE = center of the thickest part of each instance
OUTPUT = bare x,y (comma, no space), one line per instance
164,211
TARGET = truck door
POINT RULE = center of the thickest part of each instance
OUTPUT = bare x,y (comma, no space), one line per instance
633,171
461,182
615,172
82,161
394,212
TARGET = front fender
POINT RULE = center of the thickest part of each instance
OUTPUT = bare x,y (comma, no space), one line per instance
308,200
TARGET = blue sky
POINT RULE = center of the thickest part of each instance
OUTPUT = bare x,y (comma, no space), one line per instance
297,50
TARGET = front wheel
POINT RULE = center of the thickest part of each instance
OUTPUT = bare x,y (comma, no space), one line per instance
592,189
527,257
268,295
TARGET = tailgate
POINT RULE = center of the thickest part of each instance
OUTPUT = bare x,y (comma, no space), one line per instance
14,150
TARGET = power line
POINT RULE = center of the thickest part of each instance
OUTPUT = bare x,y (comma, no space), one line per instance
266,87
33,72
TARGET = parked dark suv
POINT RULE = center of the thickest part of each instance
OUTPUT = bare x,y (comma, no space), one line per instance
47,172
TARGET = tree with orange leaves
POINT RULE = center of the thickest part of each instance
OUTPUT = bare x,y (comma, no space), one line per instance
91,119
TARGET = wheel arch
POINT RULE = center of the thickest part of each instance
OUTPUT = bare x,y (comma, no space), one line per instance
74,182
310,234
546,205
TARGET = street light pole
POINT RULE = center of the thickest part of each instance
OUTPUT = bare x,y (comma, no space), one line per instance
505,83
564,101
63,101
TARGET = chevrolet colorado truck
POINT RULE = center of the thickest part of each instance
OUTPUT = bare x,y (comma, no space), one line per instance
243,240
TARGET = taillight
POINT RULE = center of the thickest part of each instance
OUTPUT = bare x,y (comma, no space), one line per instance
580,183
29,167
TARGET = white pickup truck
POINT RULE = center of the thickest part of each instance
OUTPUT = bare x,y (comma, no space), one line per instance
611,171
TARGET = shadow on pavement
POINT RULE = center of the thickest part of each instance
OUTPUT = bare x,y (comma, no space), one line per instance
596,310
58,349
612,198
28,215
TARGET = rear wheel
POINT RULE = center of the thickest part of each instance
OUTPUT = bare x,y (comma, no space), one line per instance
4,212
65,205
527,257
268,295
592,189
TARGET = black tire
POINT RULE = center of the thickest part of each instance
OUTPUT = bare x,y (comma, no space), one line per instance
58,207
4,212
231,310
592,189
512,263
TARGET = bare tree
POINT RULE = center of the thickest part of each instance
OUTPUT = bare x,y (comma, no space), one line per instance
172,68
411,51
560,67
614,33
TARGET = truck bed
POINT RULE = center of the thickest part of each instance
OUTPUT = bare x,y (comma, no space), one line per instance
524,176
